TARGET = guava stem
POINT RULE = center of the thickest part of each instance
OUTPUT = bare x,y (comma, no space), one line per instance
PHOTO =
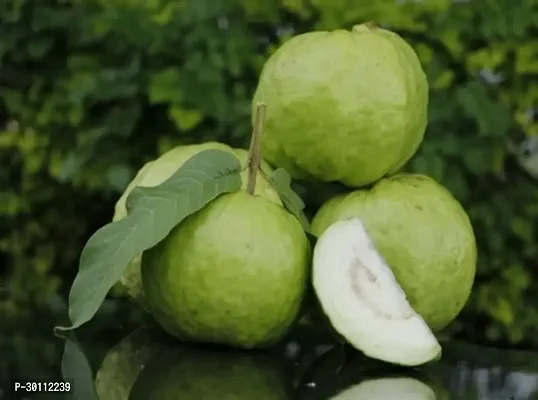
254,152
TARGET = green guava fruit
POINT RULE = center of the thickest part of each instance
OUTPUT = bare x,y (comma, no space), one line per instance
156,172
233,273
346,106
124,362
399,257
202,374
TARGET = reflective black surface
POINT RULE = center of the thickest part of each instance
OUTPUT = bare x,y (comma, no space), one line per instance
145,364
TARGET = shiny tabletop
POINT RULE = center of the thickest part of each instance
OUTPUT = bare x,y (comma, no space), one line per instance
146,364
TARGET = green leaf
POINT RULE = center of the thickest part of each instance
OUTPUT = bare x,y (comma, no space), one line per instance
77,370
491,117
119,176
183,118
281,181
165,86
153,213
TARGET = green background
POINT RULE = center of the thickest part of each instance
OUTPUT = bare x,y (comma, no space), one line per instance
90,90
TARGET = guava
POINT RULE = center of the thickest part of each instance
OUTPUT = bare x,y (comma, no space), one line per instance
156,172
204,374
233,273
363,301
346,106
403,247
124,362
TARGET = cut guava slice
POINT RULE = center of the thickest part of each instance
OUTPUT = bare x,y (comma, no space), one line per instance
399,388
363,301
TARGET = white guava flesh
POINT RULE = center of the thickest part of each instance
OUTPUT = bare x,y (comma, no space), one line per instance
401,388
363,301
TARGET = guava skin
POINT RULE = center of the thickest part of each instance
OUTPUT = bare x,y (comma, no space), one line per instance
234,273
423,233
156,172
198,374
346,106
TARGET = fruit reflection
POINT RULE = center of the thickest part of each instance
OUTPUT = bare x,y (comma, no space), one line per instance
124,362
191,372
345,374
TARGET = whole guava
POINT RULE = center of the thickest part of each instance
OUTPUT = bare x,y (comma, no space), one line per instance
423,233
156,172
346,106
210,374
233,273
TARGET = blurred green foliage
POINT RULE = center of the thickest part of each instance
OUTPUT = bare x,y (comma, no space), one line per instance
90,90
